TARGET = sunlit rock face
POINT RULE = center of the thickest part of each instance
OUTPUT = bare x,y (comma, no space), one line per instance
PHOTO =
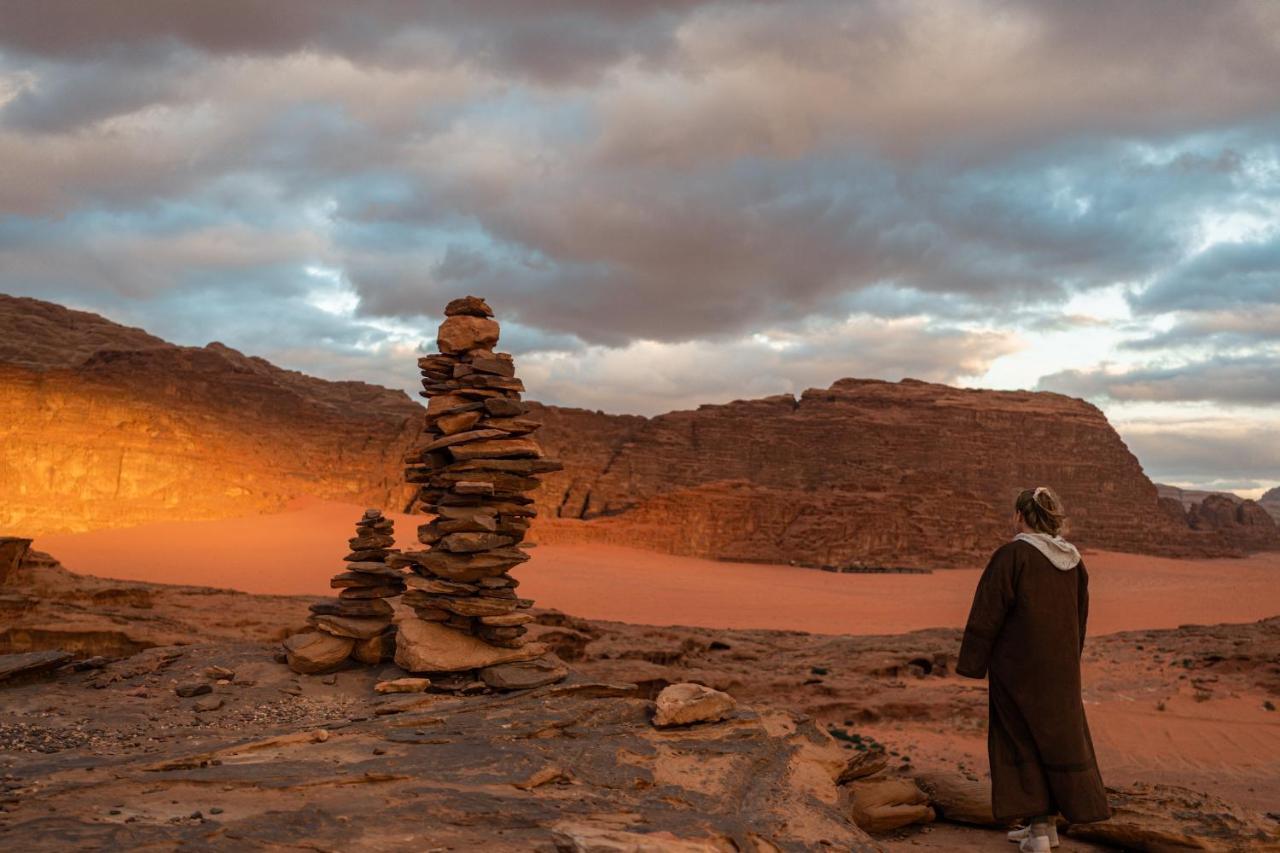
107,426
865,472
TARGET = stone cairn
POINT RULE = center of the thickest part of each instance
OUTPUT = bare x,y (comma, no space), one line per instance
474,473
362,612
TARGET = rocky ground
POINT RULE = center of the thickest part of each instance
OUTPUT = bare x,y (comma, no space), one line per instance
175,726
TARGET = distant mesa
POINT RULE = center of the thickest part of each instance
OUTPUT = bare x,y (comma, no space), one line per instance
109,426
863,472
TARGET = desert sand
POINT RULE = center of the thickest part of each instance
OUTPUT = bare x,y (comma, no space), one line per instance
296,552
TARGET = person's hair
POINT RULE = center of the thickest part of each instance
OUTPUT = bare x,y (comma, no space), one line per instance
1042,510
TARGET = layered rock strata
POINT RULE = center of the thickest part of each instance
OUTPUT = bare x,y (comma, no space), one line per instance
474,471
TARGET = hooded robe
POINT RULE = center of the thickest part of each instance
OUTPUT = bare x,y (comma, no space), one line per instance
1026,633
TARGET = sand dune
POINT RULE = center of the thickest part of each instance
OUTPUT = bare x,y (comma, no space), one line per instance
297,551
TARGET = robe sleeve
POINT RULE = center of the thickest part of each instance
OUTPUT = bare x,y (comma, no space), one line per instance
1082,597
991,602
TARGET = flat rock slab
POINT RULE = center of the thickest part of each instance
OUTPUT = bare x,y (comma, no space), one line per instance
24,664
1169,817
402,685
431,647
523,675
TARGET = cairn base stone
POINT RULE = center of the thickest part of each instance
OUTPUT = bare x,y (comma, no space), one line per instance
315,651
432,647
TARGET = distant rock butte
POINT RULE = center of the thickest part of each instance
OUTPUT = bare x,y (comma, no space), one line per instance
868,472
109,426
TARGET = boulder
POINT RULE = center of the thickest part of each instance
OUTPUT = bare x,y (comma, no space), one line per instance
316,651
687,703
883,805
432,647
462,332
524,675
958,799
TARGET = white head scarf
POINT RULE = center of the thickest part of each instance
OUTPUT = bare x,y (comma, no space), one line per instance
1060,552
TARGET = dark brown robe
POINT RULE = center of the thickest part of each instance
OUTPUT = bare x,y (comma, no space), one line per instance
1026,634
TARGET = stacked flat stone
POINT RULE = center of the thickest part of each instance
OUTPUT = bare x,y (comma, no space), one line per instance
362,612
474,471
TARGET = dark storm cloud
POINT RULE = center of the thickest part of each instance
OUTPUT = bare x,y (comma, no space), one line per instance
1250,380
554,40
623,252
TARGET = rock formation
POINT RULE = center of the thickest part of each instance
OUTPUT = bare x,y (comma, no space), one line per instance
1270,501
862,473
474,471
1244,522
140,430
360,620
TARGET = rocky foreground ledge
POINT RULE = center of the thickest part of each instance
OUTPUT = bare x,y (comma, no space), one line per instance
166,721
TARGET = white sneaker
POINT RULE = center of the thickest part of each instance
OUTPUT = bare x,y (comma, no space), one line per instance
1017,836
1036,844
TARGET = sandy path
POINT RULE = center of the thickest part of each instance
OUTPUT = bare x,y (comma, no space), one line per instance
297,551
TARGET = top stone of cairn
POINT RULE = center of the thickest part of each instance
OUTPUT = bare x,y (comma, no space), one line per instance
468,325
471,306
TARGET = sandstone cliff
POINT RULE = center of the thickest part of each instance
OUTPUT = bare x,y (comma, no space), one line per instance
880,473
108,426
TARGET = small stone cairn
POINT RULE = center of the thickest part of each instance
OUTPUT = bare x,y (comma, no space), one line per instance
474,471
362,612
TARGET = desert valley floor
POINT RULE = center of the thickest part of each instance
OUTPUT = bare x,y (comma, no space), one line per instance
295,552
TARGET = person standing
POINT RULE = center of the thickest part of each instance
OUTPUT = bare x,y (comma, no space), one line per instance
1025,634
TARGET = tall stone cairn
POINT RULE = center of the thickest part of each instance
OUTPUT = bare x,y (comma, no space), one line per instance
362,612
474,472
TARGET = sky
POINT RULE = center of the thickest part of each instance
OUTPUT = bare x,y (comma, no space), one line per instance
674,202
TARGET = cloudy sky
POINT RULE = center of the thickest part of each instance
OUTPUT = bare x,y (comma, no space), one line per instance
671,202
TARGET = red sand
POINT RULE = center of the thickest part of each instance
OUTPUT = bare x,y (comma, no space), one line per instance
297,551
